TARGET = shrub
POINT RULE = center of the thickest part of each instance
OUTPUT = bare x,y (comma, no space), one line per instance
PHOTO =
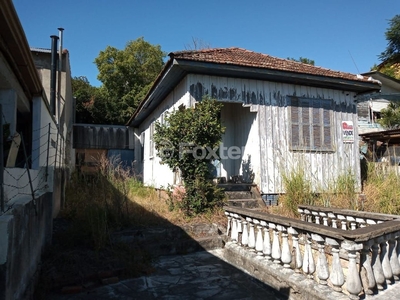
181,142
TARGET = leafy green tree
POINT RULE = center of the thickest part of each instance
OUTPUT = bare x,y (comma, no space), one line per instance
84,97
303,60
392,52
390,116
127,75
91,105
184,142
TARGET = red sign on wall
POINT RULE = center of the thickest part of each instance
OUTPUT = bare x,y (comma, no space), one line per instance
348,131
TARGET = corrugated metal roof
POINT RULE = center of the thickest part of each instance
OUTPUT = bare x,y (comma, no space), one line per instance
243,57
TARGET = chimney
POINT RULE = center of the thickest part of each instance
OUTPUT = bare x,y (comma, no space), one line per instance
53,73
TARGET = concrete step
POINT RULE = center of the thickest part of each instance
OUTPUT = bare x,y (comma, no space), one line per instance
171,240
239,194
243,203
236,186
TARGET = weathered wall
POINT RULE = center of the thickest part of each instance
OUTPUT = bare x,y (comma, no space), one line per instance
89,136
24,232
262,128
154,173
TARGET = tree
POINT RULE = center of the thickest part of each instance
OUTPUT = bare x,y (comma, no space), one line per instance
84,98
91,105
303,60
392,52
186,141
127,75
390,116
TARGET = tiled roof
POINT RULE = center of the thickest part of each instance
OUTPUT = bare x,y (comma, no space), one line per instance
243,57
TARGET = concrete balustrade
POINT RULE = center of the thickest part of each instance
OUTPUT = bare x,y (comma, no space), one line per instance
341,218
362,256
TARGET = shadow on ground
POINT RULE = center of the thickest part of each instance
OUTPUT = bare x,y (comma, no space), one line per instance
107,247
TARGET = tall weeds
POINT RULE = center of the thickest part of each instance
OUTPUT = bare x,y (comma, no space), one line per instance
297,191
382,189
339,193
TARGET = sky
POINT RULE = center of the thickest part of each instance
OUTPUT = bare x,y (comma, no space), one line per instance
342,35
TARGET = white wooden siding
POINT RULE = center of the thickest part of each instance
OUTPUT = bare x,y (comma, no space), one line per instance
264,134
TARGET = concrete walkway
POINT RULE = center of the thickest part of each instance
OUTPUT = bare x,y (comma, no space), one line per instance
200,275
207,275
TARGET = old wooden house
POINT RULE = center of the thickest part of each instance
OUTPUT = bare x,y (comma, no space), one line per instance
280,115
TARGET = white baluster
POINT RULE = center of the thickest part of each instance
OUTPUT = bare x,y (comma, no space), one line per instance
239,224
267,249
322,263
394,262
276,249
336,276
361,222
297,253
286,257
353,280
333,219
365,261
384,255
245,234
308,215
370,222
234,233
308,259
352,221
343,221
324,217
376,264
229,223
316,217
259,238
397,249
252,237
302,215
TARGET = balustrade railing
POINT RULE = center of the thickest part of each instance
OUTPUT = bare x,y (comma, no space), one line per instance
352,252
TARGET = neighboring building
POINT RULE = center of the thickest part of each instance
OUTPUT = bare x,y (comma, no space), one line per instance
281,114
32,164
369,106
64,112
93,142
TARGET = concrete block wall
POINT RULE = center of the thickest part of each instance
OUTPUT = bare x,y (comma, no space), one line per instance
24,232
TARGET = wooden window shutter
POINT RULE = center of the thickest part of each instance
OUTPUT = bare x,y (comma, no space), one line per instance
295,128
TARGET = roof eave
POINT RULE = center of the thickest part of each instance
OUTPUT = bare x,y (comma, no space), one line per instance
277,76
15,48
176,69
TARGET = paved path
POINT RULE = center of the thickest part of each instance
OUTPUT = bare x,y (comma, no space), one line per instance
199,275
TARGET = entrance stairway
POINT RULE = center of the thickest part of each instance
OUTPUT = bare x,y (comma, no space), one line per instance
244,195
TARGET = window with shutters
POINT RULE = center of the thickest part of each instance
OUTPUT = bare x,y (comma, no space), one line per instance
310,124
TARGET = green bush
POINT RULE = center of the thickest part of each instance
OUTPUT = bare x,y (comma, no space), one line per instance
181,141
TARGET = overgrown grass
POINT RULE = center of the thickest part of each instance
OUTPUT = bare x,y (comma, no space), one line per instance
114,198
339,193
382,189
96,206
297,191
